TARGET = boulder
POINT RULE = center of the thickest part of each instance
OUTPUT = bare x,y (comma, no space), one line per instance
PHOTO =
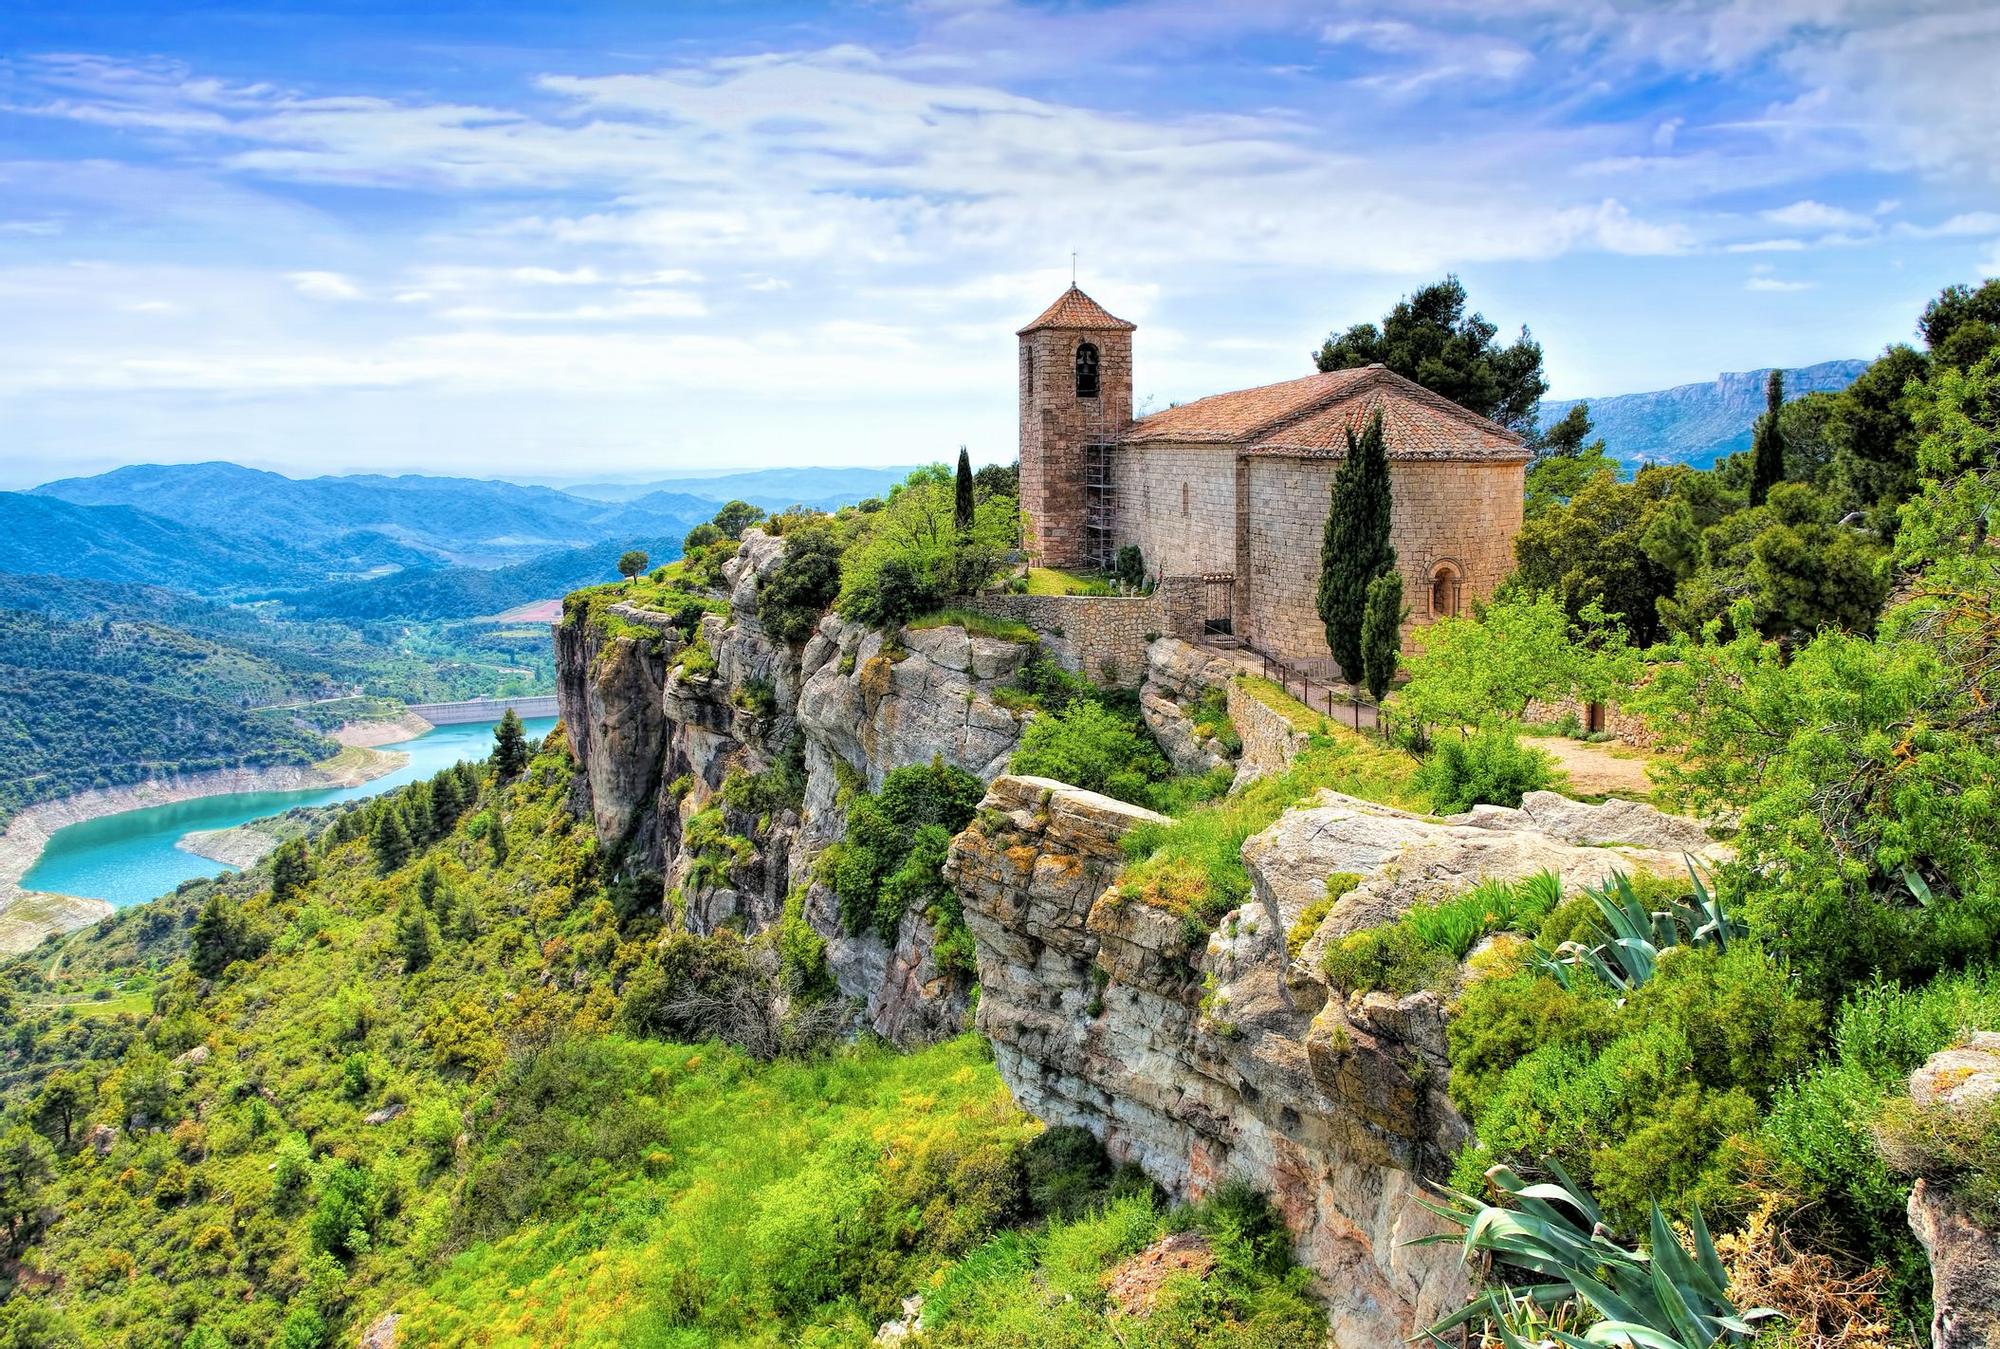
1964,1250
1406,858
380,1333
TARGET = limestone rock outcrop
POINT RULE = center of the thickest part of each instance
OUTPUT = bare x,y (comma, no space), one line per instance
1964,1251
657,737
1187,1053
1178,675
1405,858
608,695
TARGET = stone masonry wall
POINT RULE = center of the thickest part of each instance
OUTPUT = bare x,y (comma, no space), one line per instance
1102,636
1055,425
1270,742
1628,728
1446,512
1178,504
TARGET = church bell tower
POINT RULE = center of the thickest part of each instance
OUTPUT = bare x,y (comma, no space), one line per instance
1076,399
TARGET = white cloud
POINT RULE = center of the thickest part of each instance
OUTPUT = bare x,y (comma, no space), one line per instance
1766,246
1965,224
1762,279
1818,215
324,286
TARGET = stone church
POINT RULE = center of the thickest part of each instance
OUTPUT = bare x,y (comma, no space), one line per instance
1235,488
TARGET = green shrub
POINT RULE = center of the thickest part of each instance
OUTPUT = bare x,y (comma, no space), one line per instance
802,952
889,858
1423,947
911,557
1648,1099
793,594
1391,957
1489,767
1068,1172
344,1213
1088,745
1820,1134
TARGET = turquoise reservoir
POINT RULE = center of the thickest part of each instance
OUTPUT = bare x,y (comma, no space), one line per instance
130,857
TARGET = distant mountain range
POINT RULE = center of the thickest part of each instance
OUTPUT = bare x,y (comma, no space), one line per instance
1696,424
366,522
771,488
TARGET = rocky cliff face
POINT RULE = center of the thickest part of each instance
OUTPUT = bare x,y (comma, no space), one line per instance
1203,1055
657,738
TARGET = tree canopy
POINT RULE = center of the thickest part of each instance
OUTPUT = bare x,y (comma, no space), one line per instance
1428,337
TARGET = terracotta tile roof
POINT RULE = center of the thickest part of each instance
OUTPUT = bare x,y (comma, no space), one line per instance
1074,309
1309,417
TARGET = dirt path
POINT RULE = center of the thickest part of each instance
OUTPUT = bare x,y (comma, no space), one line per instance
1598,769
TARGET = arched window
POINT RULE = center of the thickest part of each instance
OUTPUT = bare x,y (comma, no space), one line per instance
1444,591
1086,370
1028,371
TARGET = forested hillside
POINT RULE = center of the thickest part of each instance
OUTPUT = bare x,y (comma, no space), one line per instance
63,732
468,592
45,536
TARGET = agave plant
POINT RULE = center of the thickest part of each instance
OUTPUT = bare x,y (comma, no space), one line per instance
1552,1253
1638,935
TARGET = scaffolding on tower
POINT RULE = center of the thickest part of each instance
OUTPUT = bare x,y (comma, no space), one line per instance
1100,505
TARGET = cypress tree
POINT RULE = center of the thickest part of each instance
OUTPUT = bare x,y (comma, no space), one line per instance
1356,547
1382,632
510,746
962,507
1767,444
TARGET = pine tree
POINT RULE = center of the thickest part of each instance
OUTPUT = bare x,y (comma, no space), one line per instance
1767,445
389,841
1356,548
428,886
962,508
496,838
447,803
216,937
1382,632
290,868
413,935
510,746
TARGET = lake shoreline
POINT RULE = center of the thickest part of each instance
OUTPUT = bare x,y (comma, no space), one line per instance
27,916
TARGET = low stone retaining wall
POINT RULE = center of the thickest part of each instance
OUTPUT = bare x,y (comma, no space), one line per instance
1105,636
1101,636
1627,728
1270,742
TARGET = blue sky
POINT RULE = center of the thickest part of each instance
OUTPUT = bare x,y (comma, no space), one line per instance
565,240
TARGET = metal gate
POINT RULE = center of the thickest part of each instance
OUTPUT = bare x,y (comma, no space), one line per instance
1219,601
